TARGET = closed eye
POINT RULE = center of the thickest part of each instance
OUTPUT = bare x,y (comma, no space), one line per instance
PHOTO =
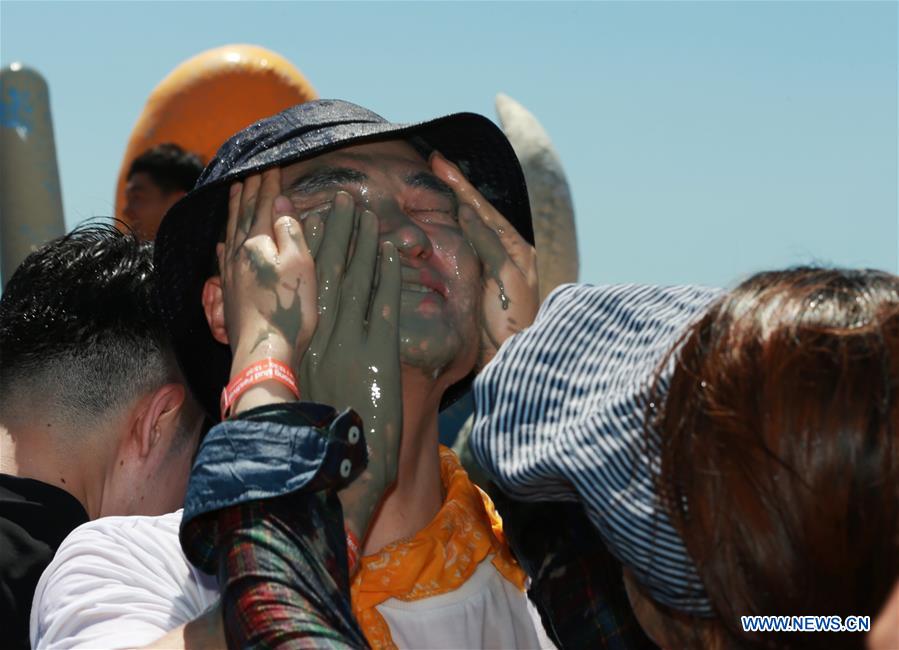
324,179
434,215
314,192
431,191
304,211
430,199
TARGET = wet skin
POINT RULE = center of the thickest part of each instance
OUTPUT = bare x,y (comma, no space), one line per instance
397,257
266,263
510,300
353,357
419,214
343,342
388,250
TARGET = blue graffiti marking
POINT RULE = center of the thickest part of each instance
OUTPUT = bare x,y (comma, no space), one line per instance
16,111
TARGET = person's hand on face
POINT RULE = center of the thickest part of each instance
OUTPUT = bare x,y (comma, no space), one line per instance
268,278
510,298
353,357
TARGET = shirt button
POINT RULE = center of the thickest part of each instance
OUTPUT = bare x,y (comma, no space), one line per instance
346,466
353,435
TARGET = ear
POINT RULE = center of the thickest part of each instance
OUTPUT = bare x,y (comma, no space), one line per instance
157,422
214,308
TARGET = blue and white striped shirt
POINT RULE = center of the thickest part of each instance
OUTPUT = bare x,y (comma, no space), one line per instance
560,415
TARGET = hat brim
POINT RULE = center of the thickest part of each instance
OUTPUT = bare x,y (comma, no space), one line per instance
186,241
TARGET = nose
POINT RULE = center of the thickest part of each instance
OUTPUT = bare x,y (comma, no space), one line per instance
405,234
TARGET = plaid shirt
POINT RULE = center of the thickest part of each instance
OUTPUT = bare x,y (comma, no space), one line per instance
276,543
283,574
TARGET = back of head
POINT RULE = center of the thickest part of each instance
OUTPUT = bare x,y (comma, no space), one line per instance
80,332
780,466
170,167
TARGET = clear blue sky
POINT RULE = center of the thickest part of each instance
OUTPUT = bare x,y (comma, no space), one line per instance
703,141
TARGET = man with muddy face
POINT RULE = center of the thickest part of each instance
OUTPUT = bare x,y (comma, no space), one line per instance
453,265
349,254
400,237
454,270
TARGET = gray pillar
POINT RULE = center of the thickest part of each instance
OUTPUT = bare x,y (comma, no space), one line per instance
30,198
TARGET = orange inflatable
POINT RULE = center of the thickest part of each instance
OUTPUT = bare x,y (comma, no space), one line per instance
210,97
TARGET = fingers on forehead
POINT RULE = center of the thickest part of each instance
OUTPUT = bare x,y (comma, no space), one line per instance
234,200
337,234
248,195
271,183
486,241
467,192
251,185
312,230
361,266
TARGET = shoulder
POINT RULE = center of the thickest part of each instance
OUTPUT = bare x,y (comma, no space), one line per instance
141,542
123,567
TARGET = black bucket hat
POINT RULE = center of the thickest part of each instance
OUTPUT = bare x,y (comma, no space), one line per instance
186,241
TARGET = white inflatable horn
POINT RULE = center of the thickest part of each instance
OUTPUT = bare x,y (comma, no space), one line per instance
550,198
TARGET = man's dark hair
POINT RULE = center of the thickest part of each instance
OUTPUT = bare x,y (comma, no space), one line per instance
170,166
79,325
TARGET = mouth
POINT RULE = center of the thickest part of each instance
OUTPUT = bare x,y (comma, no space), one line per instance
417,288
422,281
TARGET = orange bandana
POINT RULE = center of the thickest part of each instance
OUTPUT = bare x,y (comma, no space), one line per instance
438,559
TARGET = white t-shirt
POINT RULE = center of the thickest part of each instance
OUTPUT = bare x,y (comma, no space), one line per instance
487,611
118,582
122,582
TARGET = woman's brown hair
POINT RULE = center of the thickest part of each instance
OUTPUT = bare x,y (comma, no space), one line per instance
779,459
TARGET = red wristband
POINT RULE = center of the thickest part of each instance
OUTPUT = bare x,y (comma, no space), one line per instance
265,370
352,550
